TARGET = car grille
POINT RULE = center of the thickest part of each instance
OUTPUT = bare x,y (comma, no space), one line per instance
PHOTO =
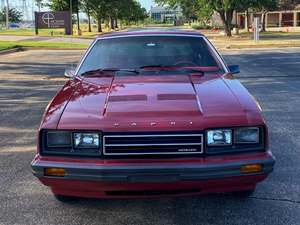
153,144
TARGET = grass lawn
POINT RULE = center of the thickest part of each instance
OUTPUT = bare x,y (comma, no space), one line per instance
53,32
8,45
5,45
44,32
267,40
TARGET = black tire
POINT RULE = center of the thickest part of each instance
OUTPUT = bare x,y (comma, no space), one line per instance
244,194
66,199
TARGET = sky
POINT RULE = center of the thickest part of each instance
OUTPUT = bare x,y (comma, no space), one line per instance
147,3
29,3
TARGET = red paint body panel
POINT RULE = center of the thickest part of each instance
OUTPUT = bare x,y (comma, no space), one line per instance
95,189
99,103
195,102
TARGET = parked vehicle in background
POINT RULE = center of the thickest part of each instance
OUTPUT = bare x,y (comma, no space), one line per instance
14,25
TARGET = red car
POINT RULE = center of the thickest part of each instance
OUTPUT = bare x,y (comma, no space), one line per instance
152,113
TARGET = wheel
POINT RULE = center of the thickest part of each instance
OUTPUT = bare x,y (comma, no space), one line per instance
66,199
243,194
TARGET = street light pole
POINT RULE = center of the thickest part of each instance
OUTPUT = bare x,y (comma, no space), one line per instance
71,17
7,15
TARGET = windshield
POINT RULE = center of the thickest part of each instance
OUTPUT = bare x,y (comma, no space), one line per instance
141,52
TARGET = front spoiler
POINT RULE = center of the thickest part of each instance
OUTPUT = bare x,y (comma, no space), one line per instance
151,172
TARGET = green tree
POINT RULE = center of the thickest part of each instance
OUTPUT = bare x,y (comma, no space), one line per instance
64,5
39,4
99,10
14,15
225,8
87,8
288,4
264,7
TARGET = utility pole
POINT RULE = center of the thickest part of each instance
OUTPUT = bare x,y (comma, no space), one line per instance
71,17
7,15
25,10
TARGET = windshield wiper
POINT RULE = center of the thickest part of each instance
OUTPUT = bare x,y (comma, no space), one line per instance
153,66
162,67
103,70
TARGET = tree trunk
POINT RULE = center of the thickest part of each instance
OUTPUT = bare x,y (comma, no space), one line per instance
263,20
112,25
226,17
89,21
116,23
247,20
99,25
78,22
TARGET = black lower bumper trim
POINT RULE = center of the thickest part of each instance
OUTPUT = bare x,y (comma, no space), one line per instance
151,173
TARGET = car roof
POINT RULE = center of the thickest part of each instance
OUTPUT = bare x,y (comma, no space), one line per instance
138,32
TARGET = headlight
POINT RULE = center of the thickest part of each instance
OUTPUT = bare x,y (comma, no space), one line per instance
57,142
247,135
86,140
219,137
59,139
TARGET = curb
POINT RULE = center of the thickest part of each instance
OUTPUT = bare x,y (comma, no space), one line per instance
258,48
13,50
21,49
50,48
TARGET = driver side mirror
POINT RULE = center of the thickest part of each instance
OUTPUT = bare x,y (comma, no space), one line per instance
234,69
69,73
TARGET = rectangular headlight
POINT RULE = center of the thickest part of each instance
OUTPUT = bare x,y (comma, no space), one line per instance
86,140
247,135
59,139
220,137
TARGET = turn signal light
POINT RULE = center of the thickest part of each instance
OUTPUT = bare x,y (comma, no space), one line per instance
56,172
251,168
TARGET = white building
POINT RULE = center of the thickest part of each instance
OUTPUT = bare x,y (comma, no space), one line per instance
164,14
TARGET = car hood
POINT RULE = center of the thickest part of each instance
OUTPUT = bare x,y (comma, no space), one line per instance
158,103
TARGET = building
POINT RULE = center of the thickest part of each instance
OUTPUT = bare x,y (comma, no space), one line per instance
288,20
164,15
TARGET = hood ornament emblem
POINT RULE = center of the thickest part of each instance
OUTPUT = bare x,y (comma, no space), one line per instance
173,123
153,124
133,124
116,124
191,123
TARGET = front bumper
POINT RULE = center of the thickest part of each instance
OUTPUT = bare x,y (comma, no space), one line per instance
212,174
151,172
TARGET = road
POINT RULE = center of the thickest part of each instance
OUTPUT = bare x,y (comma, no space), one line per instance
28,80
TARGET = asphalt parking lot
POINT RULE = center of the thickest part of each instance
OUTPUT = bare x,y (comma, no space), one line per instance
28,80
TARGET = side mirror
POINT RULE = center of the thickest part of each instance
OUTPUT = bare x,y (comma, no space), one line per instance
69,73
234,69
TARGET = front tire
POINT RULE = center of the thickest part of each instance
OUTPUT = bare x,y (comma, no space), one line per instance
66,199
244,194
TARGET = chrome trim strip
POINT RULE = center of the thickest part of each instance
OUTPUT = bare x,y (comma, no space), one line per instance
156,135
158,153
163,144
150,35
